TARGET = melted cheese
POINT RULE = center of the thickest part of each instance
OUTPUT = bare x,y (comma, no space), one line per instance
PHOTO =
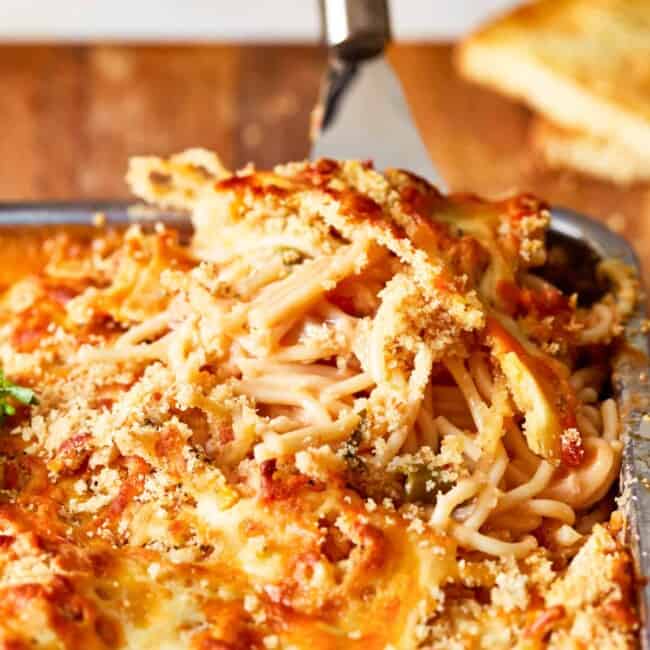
198,473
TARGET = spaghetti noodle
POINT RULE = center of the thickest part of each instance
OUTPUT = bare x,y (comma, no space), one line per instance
364,376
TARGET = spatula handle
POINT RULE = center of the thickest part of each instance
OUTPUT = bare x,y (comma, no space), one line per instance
355,29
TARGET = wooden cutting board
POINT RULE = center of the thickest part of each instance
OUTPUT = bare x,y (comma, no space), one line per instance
71,116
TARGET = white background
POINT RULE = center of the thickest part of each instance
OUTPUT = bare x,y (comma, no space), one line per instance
230,20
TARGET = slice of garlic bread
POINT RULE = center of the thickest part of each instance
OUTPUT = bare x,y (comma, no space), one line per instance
590,154
585,64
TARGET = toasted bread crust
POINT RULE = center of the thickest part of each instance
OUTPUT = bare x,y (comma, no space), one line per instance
585,64
588,154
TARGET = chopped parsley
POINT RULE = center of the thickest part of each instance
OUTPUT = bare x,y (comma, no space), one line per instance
290,256
423,484
10,393
350,448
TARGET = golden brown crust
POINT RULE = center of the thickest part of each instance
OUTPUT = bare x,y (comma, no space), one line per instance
583,64
588,153
172,489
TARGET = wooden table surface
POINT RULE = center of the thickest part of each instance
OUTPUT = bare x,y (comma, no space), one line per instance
70,117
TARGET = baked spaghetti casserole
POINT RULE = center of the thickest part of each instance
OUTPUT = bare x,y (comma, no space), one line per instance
346,414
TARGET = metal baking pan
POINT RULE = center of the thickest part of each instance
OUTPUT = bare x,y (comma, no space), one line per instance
585,242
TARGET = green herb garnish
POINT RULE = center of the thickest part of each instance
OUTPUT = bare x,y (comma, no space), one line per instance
350,448
290,256
423,484
10,393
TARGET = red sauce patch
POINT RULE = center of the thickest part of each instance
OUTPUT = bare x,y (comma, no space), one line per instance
60,294
33,327
279,486
137,469
522,300
572,451
373,545
360,205
169,445
544,623
319,172
73,453
253,183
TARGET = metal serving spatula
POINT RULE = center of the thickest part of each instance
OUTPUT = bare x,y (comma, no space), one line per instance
362,112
